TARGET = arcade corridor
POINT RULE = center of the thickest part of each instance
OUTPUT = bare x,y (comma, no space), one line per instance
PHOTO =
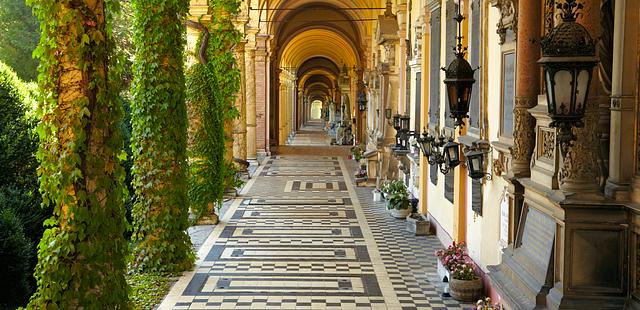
302,236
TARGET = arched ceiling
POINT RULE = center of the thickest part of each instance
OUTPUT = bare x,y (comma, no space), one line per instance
318,42
278,13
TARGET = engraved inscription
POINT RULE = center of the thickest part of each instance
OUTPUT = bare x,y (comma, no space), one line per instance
537,240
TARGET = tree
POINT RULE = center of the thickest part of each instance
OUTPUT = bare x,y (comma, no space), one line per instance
159,135
81,257
212,87
20,34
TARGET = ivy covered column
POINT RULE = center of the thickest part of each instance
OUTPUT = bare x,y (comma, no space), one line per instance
81,255
159,118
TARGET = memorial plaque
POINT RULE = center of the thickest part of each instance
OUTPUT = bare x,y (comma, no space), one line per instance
508,92
448,186
433,174
537,241
434,70
476,196
474,59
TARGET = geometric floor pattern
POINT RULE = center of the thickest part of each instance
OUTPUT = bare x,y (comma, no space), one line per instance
301,236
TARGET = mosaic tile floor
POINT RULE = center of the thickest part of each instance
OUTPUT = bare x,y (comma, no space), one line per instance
301,236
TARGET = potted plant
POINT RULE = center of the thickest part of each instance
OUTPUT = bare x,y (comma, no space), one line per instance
356,152
417,223
464,285
449,257
397,199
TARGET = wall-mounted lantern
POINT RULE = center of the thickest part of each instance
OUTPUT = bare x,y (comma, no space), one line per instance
568,58
362,98
387,115
459,79
441,151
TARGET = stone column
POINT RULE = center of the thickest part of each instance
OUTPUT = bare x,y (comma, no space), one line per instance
262,95
579,171
250,65
240,123
623,88
527,85
282,103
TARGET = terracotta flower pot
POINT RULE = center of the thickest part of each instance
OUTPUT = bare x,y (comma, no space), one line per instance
465,290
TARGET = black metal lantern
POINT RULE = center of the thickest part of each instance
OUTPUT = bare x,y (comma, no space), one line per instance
451,154
475,164
459,79
405,121
396,121
568,58
425,144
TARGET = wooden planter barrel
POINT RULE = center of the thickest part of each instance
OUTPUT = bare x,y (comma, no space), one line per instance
465,290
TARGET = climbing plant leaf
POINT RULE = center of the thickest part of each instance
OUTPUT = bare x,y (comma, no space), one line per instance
159,131
81,254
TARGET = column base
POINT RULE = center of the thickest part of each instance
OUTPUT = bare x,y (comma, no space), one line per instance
617,191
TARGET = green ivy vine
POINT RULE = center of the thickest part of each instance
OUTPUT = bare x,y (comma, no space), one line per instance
159,121
81,255
212,85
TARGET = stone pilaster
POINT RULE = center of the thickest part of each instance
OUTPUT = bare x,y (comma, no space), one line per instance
240,123
262,94
250,64
623,95
527,85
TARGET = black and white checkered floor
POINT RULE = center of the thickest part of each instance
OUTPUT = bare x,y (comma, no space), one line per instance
301,236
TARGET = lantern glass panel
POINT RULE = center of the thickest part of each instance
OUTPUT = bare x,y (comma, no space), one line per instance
476,163
453,97
452,155
582,88
550,91
563,92
463,100
405,123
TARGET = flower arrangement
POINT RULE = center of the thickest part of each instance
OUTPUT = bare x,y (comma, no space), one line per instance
485,304
463,271
361,173
357,151
452,255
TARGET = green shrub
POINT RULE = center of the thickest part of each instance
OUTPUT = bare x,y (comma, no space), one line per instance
16,252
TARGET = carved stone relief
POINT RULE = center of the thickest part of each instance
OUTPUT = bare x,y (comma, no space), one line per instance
580,164
548,140
522,129
508,18
549,7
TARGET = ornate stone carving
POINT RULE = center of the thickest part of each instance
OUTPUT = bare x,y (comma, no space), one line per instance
417,46
523,134
549,6
579,167
548,140
390,54
508,18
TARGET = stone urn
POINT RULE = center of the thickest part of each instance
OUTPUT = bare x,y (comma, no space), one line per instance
465,290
